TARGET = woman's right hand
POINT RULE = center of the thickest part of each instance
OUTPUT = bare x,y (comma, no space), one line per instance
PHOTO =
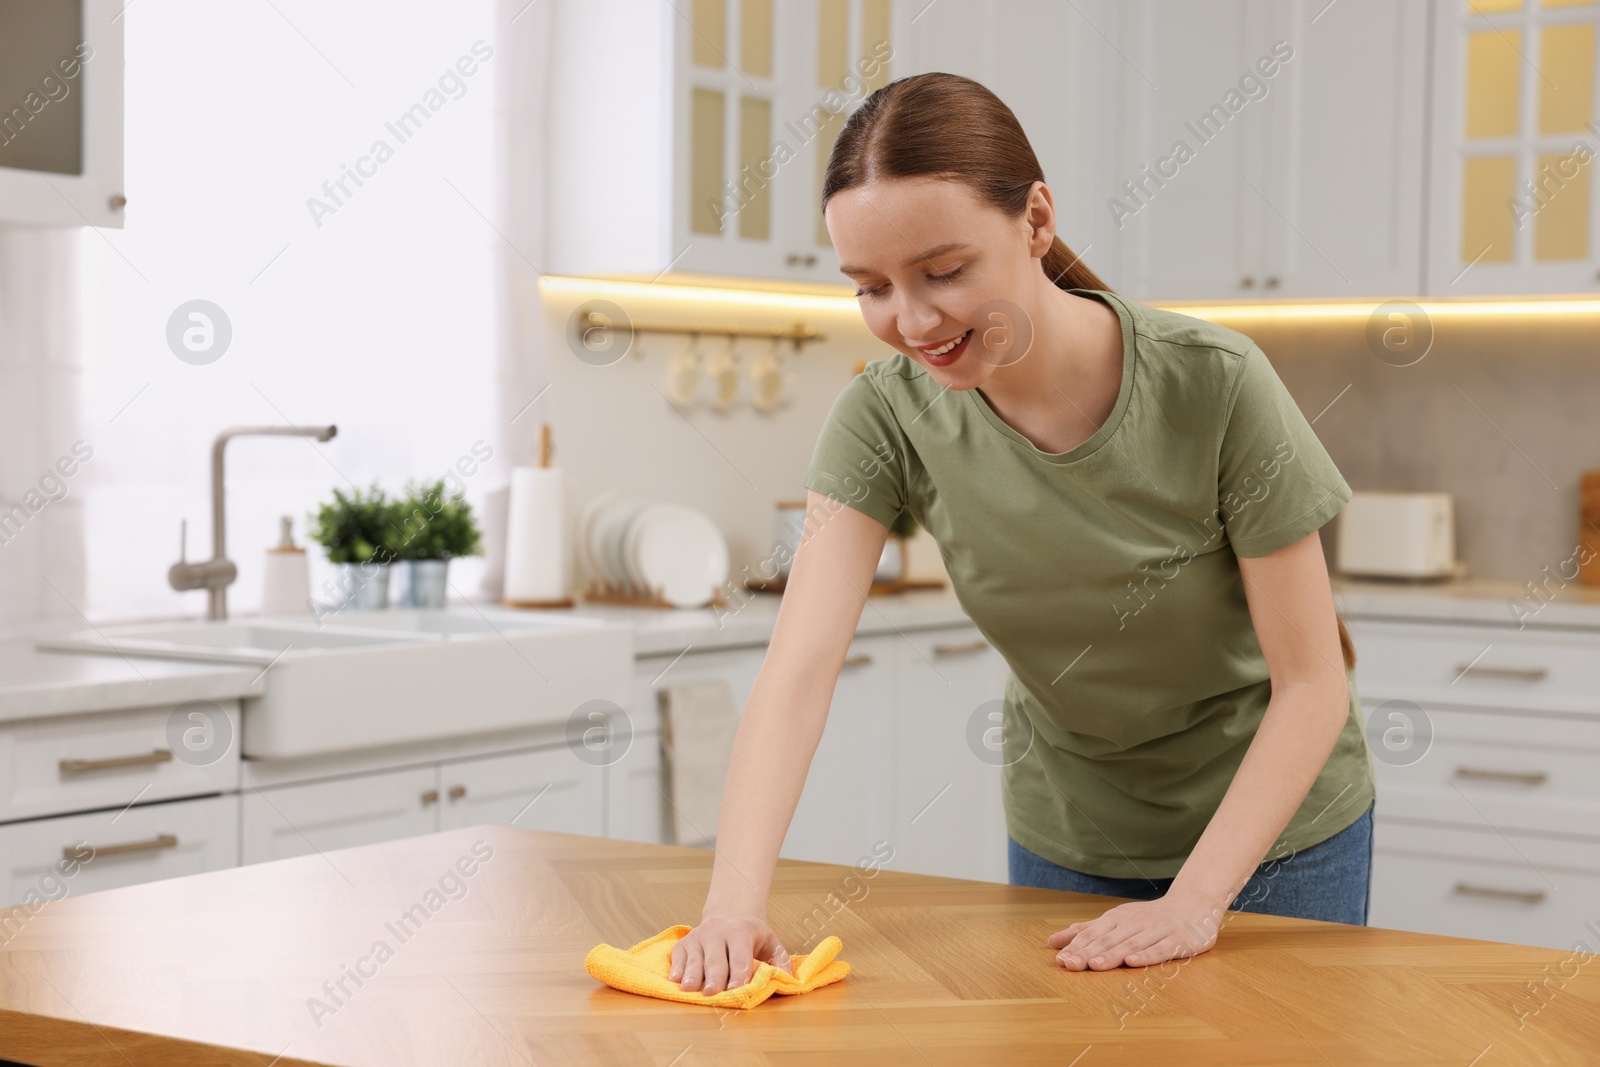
721,953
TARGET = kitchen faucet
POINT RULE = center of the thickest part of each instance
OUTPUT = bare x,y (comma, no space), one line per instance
217,573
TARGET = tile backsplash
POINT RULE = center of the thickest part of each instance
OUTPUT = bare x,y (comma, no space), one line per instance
1503,413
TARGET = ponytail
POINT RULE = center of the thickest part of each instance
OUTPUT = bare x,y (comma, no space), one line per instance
1068,270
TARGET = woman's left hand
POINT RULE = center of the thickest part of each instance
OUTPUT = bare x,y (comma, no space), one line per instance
1139,933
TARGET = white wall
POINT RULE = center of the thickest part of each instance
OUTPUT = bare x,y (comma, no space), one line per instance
41,480
380,317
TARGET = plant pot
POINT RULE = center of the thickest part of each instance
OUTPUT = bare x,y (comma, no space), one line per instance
892,564
426,586
364,586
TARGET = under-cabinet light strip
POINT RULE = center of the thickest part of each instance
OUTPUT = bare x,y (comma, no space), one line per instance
592,288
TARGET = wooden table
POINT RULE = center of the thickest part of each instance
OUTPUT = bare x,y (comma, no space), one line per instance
225,968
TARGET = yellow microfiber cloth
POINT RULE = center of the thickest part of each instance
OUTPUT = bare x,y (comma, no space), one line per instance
644,969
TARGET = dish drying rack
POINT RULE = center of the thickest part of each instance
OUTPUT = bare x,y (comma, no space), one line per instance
641,596
897,585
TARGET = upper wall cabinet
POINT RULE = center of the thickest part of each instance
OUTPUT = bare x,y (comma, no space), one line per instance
1273,148
1050,64
61,113
690,138
1515,139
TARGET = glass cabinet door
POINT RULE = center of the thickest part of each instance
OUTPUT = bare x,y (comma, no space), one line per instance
1523,147
764,88
853,56
731,82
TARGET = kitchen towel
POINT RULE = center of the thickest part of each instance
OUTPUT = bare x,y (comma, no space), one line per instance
644,968
536,537
698,721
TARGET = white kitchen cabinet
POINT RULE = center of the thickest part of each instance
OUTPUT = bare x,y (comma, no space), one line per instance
294,820
1484,884
547,789
637,806
949,813
1247,134
1342,159
1054,65
1193,224
692,141
1486,748
74,854
110,759
1512,200
844,809
61,113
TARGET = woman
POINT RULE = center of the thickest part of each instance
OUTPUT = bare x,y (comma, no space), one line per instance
1127,501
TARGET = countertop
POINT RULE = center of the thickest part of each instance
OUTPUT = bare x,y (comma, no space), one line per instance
228,967
659,631
1544,601
34,684
668,631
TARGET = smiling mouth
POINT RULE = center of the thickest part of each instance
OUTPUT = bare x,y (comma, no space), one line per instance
946,348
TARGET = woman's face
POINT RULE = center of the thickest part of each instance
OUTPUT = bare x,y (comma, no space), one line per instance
942,275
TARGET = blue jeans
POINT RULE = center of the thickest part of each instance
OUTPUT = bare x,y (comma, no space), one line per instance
1331,880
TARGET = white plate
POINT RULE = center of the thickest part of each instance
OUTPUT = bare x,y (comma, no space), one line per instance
584,530
609,523
681,552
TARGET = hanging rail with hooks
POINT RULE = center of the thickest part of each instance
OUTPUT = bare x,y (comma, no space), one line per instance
799,333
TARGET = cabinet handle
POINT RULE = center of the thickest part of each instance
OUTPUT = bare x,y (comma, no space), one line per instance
1526,896
1271,282
86,766
160,841
860,659
430,796
1480,774
980,645
457,792
1521,674
1247,282
811,259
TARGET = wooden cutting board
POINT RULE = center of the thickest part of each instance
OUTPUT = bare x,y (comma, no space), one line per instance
222,968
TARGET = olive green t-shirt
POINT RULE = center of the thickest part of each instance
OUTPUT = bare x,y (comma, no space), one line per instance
1107,576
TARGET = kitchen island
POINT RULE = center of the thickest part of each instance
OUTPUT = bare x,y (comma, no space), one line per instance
467,947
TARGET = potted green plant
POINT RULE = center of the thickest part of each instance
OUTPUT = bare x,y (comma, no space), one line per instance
355,530
428,529
892,564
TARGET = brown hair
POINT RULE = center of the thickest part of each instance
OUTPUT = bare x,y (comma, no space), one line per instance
950,126
944,124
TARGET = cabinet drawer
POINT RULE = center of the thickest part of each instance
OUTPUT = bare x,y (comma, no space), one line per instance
109,760
115,849
1463,884
547,789
1522,773
363,809
1484,666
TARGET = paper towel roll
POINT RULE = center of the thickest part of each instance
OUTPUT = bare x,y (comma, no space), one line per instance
536,537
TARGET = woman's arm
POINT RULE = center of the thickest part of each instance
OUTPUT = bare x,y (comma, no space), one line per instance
778,733
1291,608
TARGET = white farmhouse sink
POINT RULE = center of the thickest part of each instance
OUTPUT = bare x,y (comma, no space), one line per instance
390,677
221,642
